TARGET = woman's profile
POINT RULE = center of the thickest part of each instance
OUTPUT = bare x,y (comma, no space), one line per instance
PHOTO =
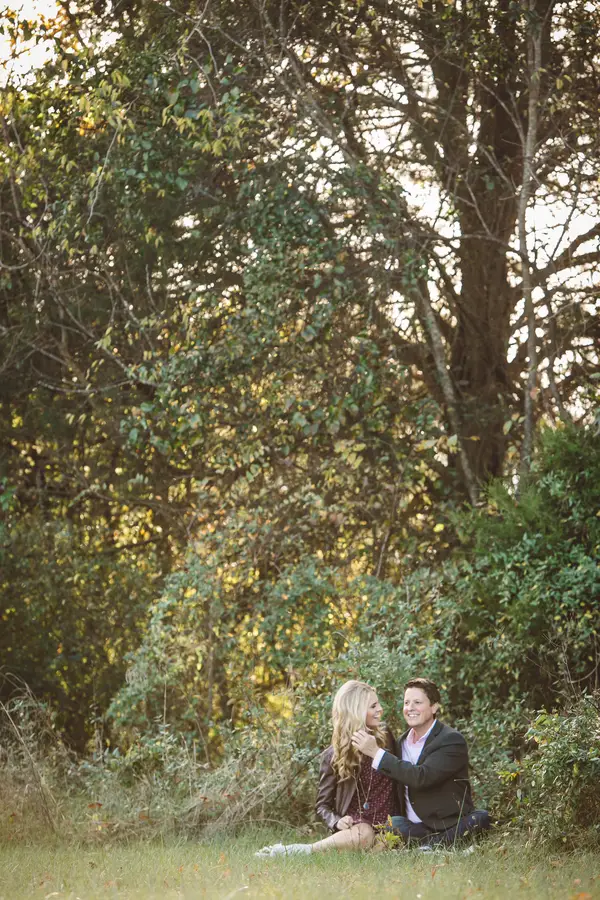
353,798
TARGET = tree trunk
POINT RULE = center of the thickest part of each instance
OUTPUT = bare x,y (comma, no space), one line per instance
534,59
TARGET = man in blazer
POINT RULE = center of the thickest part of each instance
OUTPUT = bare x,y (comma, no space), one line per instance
432,765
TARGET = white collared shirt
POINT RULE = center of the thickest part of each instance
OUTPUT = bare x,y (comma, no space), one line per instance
412,747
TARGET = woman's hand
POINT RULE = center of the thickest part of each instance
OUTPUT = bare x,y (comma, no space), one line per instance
344,823
365,743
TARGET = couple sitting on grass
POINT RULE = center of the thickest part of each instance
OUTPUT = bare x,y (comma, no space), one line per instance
419,784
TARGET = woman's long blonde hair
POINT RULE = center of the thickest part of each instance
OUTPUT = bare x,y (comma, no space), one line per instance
349,713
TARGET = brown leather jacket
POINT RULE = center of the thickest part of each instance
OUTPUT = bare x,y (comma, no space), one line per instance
334,796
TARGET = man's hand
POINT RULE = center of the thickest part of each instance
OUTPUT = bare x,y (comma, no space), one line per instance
344,823
365,743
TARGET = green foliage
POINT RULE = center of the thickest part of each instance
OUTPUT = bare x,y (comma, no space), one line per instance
504,626
515,613
220,633
71,614
227,469
558,778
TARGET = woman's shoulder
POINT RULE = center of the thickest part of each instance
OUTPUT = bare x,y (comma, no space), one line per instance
326,762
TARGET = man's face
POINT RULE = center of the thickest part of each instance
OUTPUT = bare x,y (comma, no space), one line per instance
419,712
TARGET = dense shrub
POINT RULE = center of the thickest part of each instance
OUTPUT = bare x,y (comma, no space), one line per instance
70,611
267,766
506,626
559,776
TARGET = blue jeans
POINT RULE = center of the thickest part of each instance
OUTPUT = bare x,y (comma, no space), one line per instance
419,833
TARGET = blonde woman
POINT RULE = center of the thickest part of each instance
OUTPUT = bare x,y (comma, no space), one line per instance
353,798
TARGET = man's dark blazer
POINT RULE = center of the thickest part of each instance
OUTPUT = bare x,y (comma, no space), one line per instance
438,785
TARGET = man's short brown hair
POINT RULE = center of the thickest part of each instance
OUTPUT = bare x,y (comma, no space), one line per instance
429,688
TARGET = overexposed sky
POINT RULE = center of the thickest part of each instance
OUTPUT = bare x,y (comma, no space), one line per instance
27,56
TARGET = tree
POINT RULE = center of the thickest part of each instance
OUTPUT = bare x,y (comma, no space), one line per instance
262,298
428,105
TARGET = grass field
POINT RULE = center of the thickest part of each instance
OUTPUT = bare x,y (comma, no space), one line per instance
228,869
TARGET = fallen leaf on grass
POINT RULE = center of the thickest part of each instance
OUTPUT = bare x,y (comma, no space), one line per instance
582,895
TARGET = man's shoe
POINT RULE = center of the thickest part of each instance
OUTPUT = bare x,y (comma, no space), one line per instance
433,848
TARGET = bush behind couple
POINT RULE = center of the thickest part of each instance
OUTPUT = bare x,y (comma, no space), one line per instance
420,783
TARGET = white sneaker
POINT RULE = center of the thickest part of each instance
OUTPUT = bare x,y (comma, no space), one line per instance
272,850
284,850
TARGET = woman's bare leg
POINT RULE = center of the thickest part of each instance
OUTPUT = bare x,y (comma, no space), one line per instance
358,837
